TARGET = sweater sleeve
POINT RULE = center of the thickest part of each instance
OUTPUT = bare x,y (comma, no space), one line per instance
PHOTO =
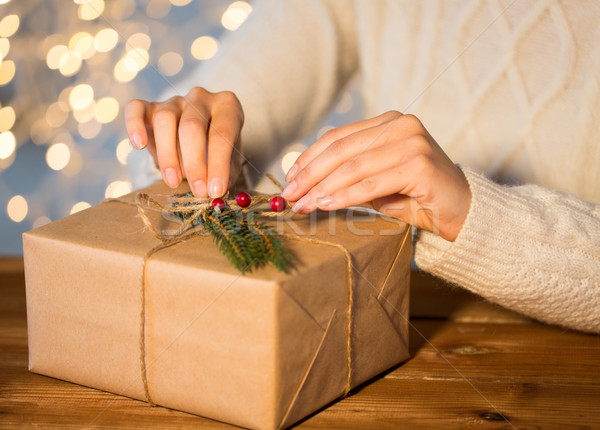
287,64
528,248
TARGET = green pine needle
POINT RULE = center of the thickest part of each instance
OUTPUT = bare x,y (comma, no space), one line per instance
247,244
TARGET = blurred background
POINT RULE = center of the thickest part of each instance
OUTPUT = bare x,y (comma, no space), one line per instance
67,69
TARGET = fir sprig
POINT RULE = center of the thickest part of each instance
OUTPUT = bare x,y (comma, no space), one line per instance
246,242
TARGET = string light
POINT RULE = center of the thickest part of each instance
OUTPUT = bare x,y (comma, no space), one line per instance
90,9
9,25
117,189
69,63
106,39
7,71
106,110
180,2
8,144
7,118
138,40
58,156
94,66
288,160
4,48
124,148
204,47
235,15
79,206
17,208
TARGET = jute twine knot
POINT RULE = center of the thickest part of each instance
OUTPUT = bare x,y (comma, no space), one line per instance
193,208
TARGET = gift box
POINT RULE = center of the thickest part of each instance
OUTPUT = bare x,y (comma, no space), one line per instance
181,327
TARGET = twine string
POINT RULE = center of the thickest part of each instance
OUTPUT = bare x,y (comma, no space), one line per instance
194,208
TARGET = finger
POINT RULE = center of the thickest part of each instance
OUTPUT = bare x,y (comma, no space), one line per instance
349,151
334,135
193,127
223,134
384,183
166,119
357,168
136,118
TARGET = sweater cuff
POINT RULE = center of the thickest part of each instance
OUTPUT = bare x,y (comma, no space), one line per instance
483,253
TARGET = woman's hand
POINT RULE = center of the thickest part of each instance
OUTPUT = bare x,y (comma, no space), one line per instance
194,137
390,161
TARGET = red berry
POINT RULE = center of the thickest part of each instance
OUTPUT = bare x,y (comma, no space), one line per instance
243,199
278,204
218,202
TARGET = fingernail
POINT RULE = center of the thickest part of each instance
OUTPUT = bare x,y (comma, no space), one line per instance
171,177
216,188
323,202
199,188
137,140
301,203
291,173
289,190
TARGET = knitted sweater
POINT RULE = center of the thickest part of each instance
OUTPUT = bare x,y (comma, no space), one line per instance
509,89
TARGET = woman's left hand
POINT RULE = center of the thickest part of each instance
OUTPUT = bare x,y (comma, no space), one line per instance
389,161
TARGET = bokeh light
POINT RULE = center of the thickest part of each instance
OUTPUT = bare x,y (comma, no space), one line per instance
85,114
89,129
90,9
107,109
324,130
138,40
235,15
204,47
81,96
17,208
58,156
106,39
55,54
7,71
170,63
41,221
8,144
83,43
9,25
117,189
136,59
124,71
79,206
124,148
288,160
69,63
7,118
4,48
180,2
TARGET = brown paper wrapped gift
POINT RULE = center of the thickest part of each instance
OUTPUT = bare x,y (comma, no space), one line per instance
262,350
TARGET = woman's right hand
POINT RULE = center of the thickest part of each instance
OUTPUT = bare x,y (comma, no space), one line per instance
195,137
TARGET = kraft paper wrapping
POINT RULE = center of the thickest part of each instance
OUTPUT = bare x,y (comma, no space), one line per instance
261,350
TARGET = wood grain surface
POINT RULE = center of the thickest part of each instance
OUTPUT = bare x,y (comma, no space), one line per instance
473,365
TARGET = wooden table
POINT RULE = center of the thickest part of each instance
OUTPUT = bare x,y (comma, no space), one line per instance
473,365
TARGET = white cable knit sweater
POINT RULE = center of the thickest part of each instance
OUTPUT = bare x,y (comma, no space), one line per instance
509,89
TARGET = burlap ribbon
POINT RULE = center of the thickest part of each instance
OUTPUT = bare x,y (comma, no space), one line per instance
193,208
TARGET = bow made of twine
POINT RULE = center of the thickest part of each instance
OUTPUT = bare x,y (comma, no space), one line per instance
196,207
